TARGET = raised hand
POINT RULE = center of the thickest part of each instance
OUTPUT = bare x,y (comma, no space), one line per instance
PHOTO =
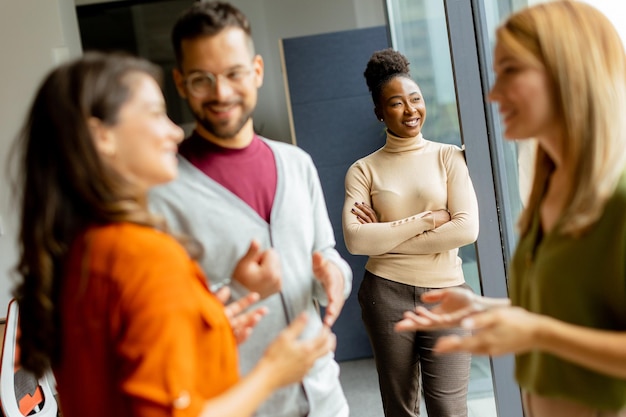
241,321
259,271
453,305
331,278
291,358
495,332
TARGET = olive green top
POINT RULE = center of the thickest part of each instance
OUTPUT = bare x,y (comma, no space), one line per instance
580,281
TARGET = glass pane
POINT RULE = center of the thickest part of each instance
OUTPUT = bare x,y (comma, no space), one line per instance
418,30
517,158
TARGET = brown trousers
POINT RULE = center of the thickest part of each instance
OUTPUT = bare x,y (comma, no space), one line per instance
403,360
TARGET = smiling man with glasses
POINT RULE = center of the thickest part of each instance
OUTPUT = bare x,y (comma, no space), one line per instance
238,192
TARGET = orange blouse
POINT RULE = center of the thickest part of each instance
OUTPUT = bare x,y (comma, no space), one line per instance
142,335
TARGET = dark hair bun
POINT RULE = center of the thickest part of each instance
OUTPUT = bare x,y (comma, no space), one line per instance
383,65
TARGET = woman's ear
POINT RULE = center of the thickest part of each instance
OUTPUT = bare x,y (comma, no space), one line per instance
102,136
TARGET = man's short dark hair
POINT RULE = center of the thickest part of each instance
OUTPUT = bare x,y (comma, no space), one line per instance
207,19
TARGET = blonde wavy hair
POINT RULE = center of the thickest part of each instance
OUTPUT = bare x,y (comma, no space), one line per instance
584,59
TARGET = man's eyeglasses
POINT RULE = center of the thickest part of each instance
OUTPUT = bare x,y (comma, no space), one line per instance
200,84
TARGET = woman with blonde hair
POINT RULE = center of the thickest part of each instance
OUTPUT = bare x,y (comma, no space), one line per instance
560,78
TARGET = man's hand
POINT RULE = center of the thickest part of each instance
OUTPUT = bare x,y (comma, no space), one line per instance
259,271
331,278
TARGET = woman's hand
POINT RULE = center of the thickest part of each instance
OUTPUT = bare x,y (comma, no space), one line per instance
495,332
286,361
289,358
453,305
364,213
241,321
440,216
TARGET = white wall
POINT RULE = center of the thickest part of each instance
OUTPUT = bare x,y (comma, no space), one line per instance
30,50
36,34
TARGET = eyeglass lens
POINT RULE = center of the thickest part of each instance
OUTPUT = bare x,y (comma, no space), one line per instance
203,83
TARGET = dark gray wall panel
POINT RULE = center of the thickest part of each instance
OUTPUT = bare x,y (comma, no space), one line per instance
334,122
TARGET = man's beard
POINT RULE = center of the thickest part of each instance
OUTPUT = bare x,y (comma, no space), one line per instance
221,131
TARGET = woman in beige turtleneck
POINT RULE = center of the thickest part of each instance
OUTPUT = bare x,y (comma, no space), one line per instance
409,206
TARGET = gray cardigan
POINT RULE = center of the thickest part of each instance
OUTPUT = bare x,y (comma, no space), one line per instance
196,205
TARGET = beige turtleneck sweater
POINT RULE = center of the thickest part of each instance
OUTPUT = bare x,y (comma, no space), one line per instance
403,182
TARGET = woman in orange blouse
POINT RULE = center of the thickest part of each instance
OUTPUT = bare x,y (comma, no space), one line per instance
116,305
